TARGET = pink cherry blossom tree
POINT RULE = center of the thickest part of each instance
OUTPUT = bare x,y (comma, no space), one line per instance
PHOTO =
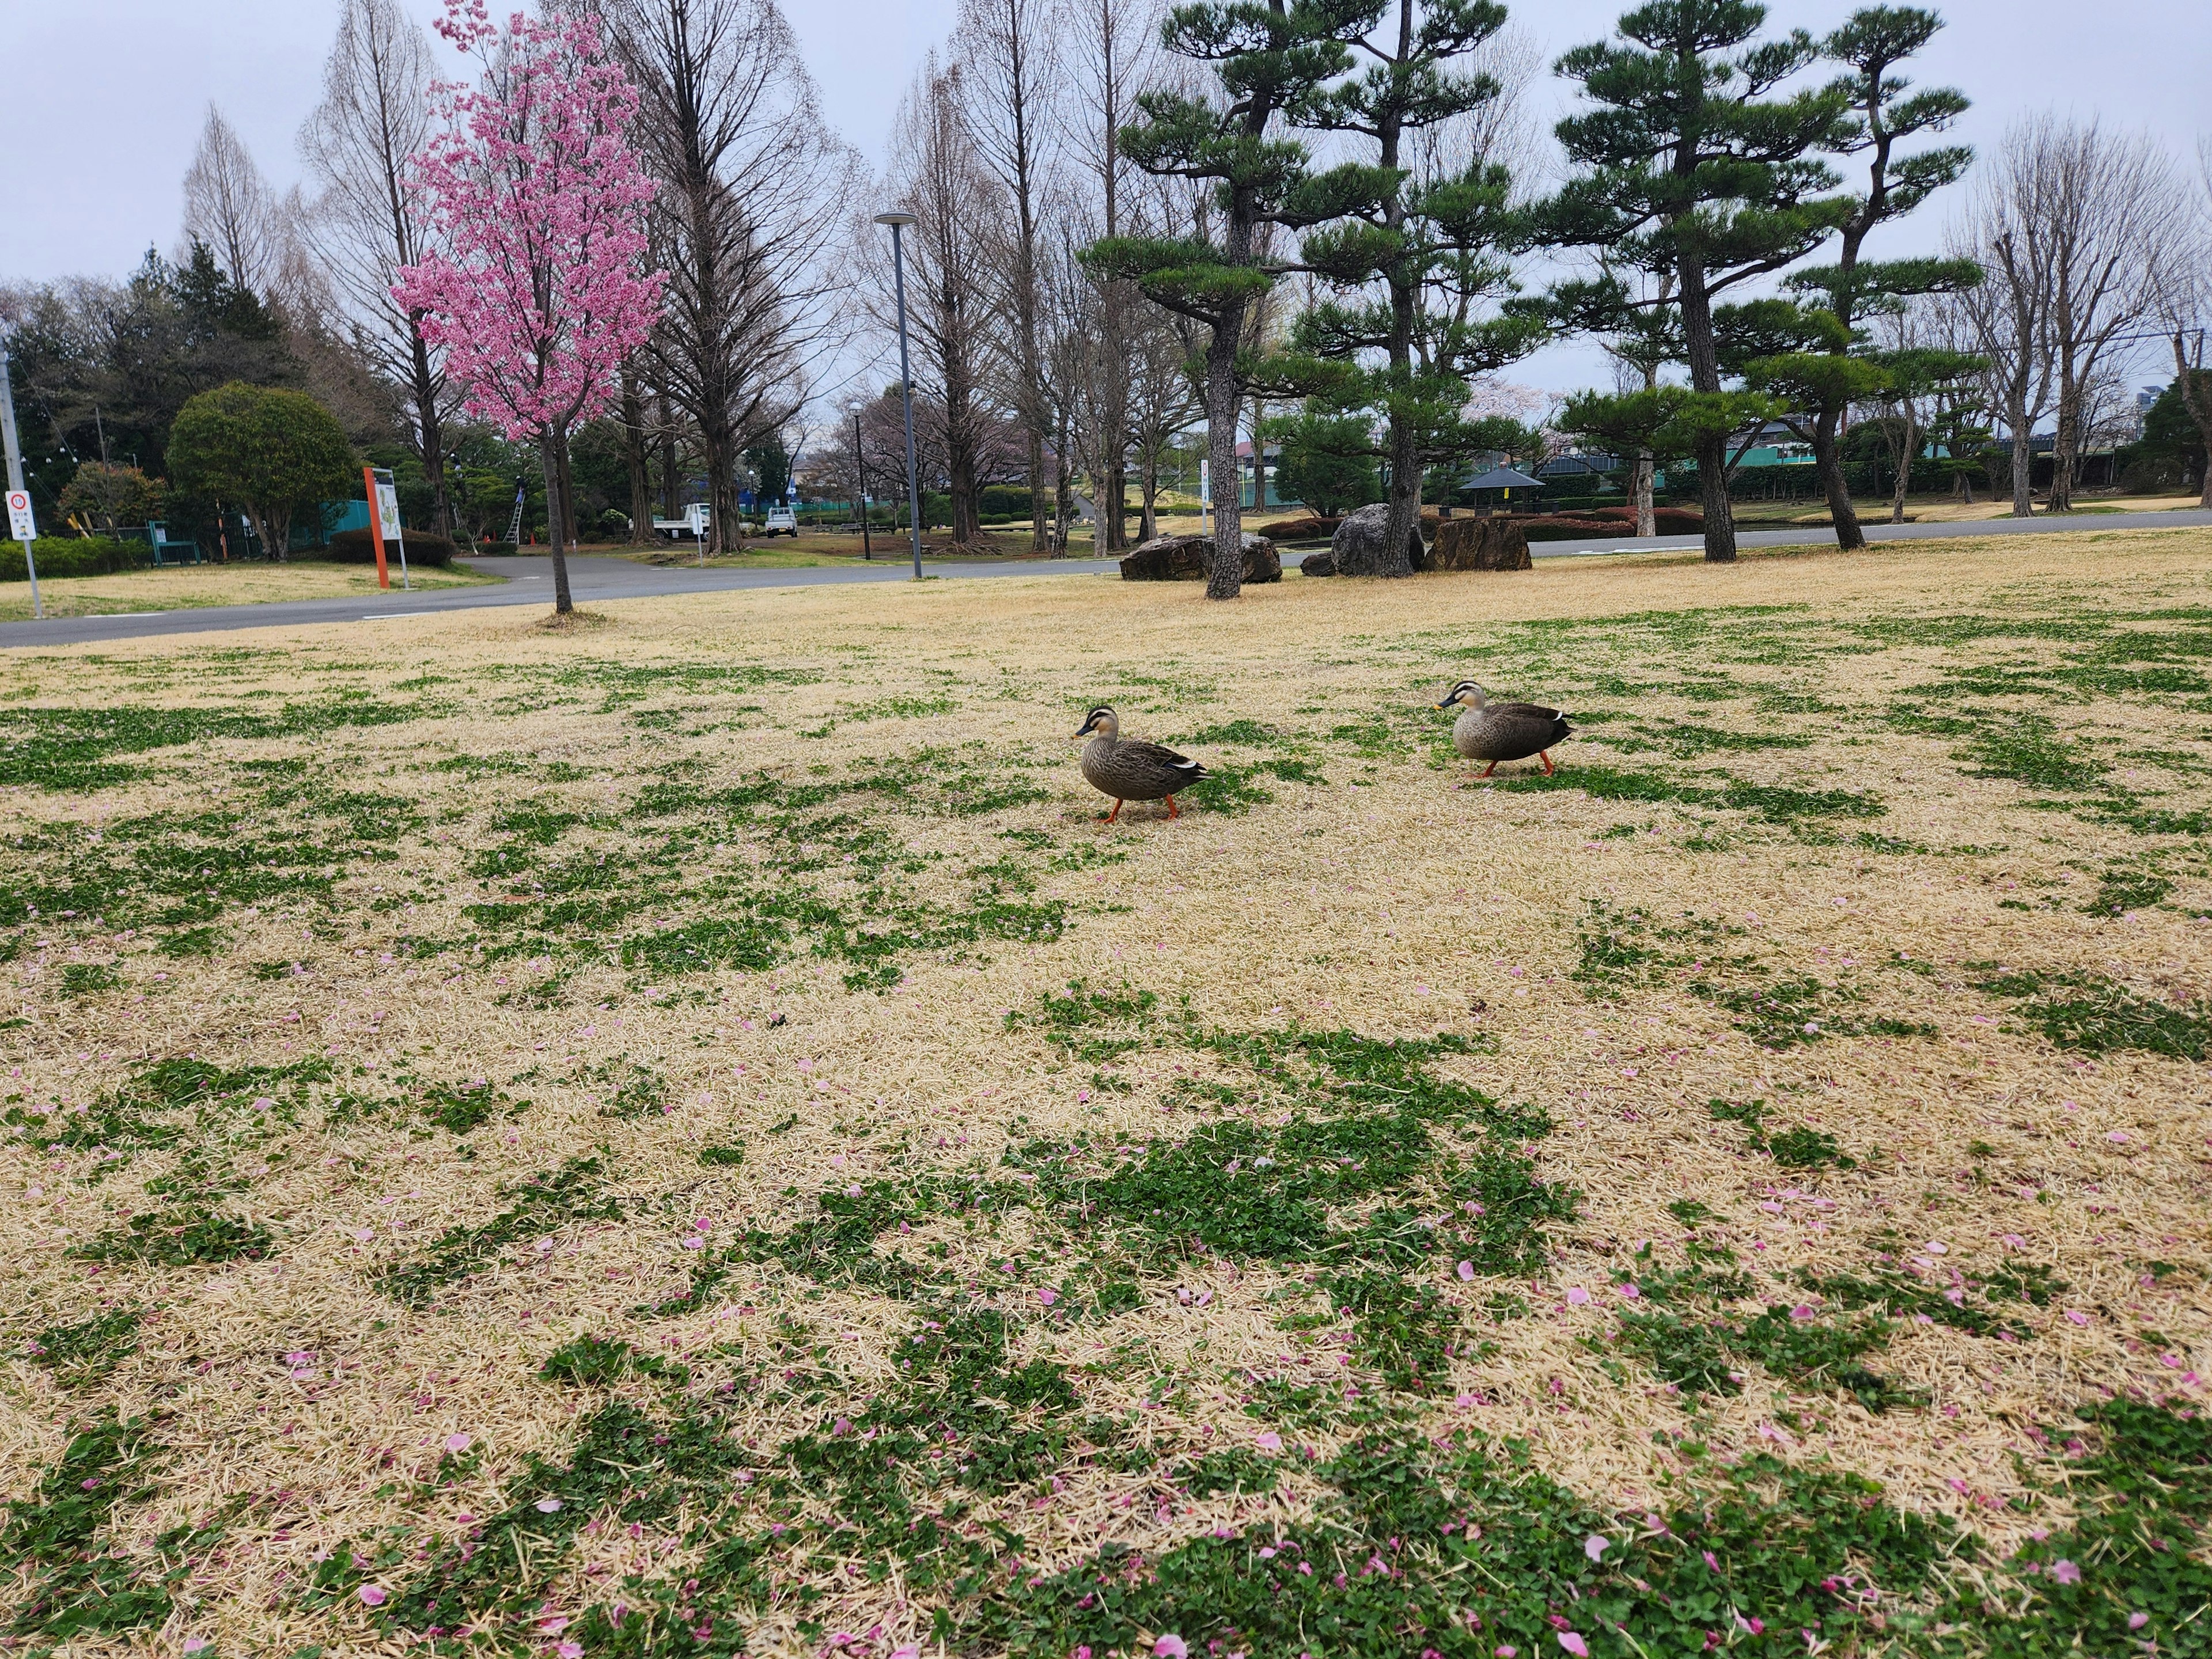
540,290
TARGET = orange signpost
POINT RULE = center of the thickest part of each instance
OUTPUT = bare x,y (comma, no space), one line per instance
375,526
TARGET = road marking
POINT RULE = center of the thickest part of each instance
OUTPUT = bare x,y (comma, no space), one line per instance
380,616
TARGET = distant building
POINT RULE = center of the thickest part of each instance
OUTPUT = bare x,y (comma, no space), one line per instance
1271,458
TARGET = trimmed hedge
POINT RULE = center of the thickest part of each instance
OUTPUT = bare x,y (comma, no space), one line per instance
1666,521
74,556
1558,527
355,547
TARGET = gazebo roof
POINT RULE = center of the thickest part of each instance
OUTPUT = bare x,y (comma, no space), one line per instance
1504,478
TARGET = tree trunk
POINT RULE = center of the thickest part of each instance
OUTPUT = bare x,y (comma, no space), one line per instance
665,419
2023,458
1149,524
1828,465
1113,474
442,513
1712,448
1063,490
1403,521
641,481
960,453
547,452
2063,446
1225,576
1647,520
1906,450
1040,535
569,533
2196,387
722,508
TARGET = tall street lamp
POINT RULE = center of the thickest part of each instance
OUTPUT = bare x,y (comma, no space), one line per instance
899,222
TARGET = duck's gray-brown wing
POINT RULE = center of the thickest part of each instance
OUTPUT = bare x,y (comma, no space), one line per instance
1152,769
1518,730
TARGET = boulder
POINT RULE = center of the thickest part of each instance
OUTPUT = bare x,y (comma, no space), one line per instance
1479,544
1356,549
1182,559
1306,527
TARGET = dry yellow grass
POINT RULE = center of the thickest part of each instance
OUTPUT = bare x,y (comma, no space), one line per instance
194,586
304,1407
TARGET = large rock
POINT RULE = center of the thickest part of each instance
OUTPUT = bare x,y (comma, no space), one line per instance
1479,544
1356,549
1182,559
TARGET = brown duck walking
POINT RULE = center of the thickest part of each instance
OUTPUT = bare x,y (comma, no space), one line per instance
1132,771
1495,732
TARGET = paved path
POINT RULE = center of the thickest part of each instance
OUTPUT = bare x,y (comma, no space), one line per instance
527,582
530,581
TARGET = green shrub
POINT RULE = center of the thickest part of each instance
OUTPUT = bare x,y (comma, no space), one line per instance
358,547
74,556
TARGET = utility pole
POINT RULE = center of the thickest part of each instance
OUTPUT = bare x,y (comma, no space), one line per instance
860,476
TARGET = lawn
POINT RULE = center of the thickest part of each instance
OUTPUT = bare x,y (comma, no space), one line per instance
687,1135
183,587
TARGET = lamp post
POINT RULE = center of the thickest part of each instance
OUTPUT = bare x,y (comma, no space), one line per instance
860,487
899,222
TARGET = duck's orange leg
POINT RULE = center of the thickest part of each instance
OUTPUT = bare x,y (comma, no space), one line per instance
1171,808
1115,813
1545,756
1486,771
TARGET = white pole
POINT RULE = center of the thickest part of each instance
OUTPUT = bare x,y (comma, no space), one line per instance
400,536
15,471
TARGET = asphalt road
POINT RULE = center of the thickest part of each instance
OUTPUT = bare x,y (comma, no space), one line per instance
530,581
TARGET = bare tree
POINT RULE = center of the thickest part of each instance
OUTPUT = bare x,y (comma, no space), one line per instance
2106,209
1164,347
362,224
1009,47
952,250
2184,310
1114,58
2011,310
747,221
229,206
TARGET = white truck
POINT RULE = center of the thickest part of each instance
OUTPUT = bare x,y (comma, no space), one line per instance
781,521
696,517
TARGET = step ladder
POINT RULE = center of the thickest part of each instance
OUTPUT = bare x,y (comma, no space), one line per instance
515,524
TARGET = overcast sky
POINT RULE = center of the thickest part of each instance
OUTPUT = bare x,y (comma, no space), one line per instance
104,99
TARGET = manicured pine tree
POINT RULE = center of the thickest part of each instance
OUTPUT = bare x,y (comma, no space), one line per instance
1266,55
1691,162
1424,256
1823,380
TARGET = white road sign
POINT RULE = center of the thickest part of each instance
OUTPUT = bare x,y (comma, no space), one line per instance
20,524
387,511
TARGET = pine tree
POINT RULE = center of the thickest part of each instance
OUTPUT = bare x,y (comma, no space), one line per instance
1687,164
1266,58
1821,383
1430,250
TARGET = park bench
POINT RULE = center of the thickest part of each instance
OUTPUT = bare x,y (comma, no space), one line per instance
167,550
